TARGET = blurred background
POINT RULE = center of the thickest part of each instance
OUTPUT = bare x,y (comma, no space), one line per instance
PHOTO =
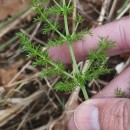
26,101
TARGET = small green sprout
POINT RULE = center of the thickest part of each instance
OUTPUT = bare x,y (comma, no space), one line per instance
119,93
97,59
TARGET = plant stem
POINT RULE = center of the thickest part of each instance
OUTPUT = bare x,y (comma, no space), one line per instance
70,46
77,71
65,20
57,4
55,29
72,53
84,92
51,24
69,3
91,62
75,29
73,59
53,64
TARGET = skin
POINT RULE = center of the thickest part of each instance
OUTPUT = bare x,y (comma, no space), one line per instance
104,111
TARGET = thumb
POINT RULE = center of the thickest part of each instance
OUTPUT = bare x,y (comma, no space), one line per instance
85,118
111,114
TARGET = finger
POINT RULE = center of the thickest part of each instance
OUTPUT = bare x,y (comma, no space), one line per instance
85,118
104,114
71,124
122,82
117,31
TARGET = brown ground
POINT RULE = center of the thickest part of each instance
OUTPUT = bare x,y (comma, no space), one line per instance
26,101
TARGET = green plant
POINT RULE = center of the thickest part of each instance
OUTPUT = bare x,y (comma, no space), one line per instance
119,93
97,59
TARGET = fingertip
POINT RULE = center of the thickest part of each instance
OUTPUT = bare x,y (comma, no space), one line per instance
71,125
86,117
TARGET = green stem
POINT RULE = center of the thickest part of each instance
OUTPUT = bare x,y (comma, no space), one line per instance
66,25
84,92
65,19
41,13
70,46
77,71
54,65
91,61
73,59
55,29
123,7
72,53
69,3
75,29
57,4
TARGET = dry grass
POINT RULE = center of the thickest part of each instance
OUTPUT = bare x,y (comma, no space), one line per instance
26,101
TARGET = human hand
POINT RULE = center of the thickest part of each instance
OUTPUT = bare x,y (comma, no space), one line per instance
104,111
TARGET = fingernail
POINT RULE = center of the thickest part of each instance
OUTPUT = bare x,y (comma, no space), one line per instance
86,117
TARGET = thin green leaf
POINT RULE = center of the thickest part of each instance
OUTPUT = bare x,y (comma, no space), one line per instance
67,86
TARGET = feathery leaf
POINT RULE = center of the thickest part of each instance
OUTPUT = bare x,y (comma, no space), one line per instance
47,28
28,46
67,86
55,42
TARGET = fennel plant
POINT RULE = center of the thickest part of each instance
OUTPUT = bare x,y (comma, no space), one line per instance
97,59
